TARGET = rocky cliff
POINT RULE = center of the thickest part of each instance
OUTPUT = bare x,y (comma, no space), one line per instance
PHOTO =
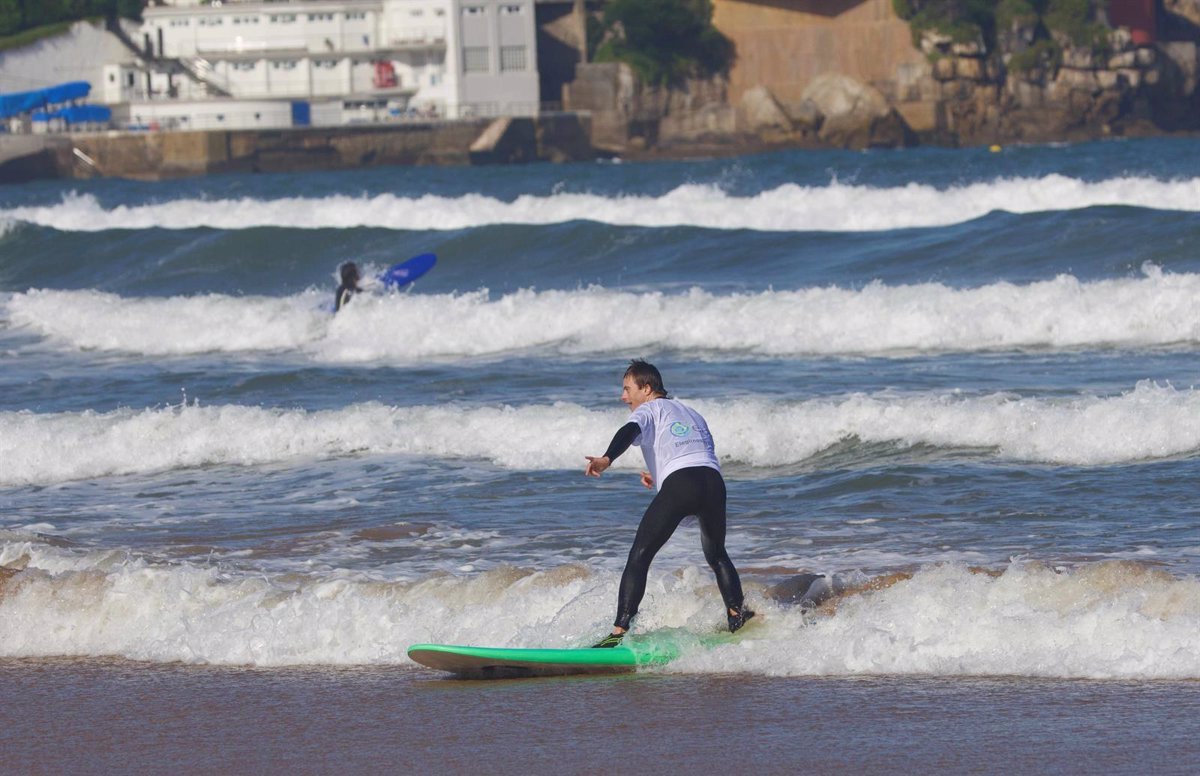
931,89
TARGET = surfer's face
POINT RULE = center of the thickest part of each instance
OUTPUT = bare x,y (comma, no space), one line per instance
633,395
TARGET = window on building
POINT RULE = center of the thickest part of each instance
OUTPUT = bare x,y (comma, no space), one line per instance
510,10
475,59
283,18
512,58
356,15
284,64
473,10
244,66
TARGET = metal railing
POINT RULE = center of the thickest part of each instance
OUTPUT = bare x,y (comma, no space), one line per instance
203,71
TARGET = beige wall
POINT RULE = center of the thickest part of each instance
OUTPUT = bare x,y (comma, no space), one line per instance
785,44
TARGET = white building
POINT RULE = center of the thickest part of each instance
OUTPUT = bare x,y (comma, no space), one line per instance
270,64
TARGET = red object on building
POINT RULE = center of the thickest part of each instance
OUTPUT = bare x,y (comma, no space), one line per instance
385,75
1140,16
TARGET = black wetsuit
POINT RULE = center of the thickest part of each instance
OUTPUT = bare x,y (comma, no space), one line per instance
344,294
695,490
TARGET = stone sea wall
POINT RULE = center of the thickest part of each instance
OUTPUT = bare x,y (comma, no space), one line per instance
162,155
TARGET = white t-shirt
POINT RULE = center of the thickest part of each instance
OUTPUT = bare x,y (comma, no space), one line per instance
673,437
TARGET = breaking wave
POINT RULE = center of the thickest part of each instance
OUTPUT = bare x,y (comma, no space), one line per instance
1155,309
835,207
1111,620
1149,422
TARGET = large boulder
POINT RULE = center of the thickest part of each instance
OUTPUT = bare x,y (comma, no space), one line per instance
1188,9
760,112
856,115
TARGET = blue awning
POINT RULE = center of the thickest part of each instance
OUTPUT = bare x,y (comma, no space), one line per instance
27,102
76,114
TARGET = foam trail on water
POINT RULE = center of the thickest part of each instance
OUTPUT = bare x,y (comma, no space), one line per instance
95,320
1150,422
1155,309
1114,620
836,207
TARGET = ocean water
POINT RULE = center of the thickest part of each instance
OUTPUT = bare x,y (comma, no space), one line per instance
961,385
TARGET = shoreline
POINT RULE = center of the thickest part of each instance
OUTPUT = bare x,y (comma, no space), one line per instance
364,719
560,137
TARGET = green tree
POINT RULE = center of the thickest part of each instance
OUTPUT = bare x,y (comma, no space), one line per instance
130,9
35,13
961,20
664,41
38,13
1077,20
1074,20
10,16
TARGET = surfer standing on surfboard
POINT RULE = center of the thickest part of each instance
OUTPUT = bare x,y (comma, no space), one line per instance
349,286
679,452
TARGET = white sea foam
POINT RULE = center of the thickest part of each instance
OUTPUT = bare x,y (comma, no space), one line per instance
1112,620
837,207
1155,309
94,320
1149,422
1105,621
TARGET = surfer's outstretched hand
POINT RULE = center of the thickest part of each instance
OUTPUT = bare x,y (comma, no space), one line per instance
596,465
647,480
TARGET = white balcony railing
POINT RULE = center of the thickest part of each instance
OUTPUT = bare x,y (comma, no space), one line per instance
245,46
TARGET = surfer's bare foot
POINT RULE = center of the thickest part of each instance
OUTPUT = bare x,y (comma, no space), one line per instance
738,617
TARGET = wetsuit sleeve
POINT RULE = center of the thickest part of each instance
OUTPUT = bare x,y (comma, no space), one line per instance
622,440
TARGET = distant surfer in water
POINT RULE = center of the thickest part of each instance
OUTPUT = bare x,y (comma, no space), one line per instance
349,286
679,451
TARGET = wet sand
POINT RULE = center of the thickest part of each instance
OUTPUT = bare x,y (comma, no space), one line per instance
71,716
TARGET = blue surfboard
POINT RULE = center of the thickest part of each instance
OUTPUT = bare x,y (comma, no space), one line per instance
405,272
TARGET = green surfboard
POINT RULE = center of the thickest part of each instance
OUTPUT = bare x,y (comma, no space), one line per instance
639,650
498,662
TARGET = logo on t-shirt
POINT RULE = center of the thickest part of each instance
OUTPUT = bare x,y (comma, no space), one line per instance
680,429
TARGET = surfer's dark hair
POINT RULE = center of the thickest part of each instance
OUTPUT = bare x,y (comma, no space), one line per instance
349,272
643,374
